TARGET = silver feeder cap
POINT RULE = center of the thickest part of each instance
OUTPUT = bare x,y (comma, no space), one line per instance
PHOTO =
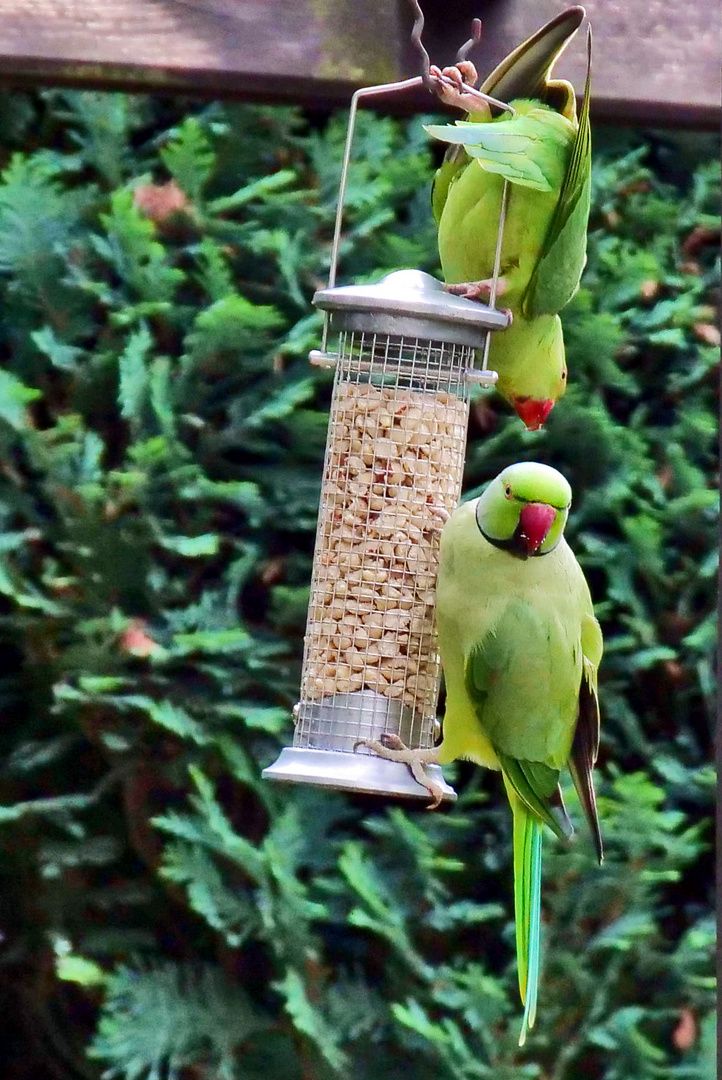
412,304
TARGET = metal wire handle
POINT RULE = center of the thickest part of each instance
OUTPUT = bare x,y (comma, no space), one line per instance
392,88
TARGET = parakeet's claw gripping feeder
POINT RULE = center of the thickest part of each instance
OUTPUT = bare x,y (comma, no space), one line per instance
404,363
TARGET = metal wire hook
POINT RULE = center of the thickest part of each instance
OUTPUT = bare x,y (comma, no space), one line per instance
472,42
416,41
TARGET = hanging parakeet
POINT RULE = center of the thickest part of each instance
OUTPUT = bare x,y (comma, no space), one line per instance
520,648
545,154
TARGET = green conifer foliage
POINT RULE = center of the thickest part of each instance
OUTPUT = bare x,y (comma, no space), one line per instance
165,914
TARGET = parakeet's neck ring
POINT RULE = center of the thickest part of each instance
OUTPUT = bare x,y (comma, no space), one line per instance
516,544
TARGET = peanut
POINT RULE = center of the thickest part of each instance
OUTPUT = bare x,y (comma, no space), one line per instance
395,455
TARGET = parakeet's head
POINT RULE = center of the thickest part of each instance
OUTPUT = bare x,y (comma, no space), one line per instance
524,510
534,396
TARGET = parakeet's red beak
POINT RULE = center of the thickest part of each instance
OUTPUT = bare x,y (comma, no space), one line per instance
535,521
532,411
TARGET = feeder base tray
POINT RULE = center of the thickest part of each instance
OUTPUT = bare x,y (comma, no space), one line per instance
352,772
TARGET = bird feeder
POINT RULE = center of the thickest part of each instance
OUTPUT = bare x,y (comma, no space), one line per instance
404,361
404,365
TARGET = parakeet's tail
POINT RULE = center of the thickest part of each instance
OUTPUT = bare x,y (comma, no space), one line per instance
527,907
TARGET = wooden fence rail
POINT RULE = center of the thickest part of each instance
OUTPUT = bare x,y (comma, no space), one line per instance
655,61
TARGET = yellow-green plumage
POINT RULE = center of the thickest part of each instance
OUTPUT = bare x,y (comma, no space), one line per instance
537,607
544,151
520,647
467,222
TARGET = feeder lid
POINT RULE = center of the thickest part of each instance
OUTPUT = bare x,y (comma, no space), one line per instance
413,304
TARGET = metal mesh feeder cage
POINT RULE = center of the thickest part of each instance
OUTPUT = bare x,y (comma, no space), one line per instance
404,364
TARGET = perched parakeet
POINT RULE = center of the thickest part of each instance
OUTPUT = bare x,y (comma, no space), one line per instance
520,648
544,152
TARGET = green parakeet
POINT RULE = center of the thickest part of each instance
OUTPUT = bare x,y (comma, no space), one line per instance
520,648
544,152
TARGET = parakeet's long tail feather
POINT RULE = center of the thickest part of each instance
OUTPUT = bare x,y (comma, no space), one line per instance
527,908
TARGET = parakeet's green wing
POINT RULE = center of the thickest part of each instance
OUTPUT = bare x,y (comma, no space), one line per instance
489,664
556,275
524,150
536,785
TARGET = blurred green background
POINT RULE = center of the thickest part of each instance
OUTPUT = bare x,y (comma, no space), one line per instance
165,915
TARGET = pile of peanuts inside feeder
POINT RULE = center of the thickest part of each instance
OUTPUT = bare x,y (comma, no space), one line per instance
395,456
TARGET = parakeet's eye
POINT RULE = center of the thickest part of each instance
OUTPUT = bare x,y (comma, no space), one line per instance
564,373
507,491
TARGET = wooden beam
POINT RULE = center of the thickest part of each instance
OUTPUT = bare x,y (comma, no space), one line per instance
214,45
655,61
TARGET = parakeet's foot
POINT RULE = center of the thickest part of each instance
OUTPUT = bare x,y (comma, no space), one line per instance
391,747
450,83
477,290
